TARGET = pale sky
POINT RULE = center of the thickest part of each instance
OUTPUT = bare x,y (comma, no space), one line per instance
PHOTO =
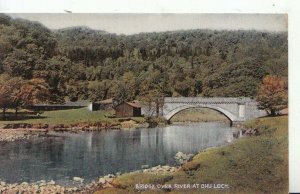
136,23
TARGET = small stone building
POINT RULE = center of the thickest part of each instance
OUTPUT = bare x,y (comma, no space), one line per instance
128,109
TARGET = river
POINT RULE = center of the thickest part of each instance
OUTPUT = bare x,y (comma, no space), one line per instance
89,155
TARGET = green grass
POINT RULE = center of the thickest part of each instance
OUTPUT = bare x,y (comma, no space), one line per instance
256,164
71,116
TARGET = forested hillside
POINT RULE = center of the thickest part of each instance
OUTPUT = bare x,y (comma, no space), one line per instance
81,63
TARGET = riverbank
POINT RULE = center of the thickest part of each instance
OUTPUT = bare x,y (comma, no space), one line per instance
101,183
22,131
7,135
253,164
76,120
73,120
50,187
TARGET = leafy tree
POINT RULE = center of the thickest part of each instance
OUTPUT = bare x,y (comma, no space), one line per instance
77,90
34,91
125,88
272,94
5,93
15,100
99,90
153,102
19,93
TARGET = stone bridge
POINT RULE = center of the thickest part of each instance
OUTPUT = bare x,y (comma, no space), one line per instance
235,109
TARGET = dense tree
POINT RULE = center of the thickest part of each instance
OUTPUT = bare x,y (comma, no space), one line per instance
272,94
5,93
16,92
81,63
99,90
34,91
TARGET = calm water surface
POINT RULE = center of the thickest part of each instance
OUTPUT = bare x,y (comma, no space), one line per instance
90,155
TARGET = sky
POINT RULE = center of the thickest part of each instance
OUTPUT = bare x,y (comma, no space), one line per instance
136,23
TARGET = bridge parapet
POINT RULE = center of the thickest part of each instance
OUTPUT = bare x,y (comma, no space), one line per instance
213,100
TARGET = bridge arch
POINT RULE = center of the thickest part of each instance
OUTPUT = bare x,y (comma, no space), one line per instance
231,117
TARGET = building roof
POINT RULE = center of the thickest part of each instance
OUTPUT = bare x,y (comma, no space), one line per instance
133,104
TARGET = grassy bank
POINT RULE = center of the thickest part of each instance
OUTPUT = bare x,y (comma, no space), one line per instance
256,164
67,117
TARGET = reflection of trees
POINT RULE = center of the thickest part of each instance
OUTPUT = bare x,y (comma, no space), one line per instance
31,160
95,154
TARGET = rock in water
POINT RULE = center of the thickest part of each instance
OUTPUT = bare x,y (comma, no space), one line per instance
2,183
118,173
52,182
102,180
111,176
145,166
78,179
182,158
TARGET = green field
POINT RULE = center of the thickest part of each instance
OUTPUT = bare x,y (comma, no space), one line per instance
256,164
71,116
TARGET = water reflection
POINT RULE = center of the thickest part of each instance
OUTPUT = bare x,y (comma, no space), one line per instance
90,155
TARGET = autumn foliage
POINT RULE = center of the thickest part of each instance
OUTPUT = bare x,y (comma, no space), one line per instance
19,93
273,94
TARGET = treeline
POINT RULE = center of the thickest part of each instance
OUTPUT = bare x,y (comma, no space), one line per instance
80,63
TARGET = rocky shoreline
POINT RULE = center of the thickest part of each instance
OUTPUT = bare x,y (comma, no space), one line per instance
104,182
51,187
9,135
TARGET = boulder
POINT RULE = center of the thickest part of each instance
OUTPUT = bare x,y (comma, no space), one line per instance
102,181
118,173
146,170
109,180
51,182
24,183
78,179
182,158
179,155
145,166
111,176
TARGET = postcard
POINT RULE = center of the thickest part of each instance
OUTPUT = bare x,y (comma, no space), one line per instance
144,103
